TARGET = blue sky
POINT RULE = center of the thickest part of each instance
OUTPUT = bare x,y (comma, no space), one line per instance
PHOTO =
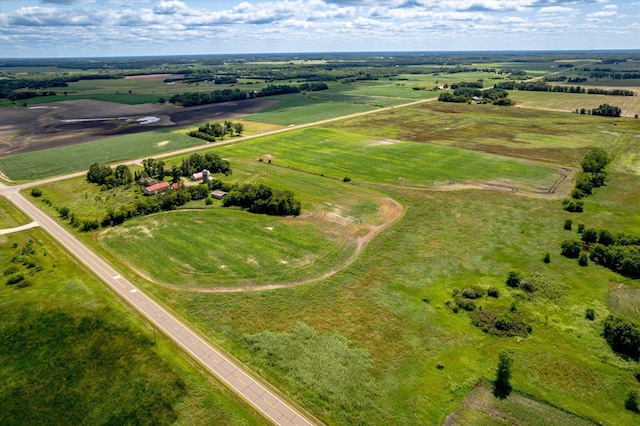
71,28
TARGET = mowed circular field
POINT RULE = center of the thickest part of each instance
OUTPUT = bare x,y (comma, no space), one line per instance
213,249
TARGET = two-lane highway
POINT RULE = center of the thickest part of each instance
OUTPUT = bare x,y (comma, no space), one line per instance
272,406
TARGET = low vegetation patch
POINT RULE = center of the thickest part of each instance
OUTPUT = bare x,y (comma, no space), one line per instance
334,373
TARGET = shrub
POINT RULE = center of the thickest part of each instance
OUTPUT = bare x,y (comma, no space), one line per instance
590,235
528,286
36,192
493,292
583,259
513,279
590,314
208,201
631,403
573,206
439,365
346,179
453,306
473,292
580,228
568,224
63,212
571,249
12,269
15,279
466,304
622,335
547,258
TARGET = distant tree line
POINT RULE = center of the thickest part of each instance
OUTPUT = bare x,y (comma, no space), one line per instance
262,199
542,86
211,131
21,95
13,86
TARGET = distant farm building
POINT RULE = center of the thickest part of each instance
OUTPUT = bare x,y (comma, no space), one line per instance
203,176
159,187
218,194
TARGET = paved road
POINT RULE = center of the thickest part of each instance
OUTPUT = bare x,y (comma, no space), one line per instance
256,394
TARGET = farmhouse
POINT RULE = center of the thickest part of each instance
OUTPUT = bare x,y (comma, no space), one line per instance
218,194
159,187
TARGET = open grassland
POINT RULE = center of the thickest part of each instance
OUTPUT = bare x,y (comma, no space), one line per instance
515,132
10,216
72,354
58,161
338,154
569,102
385,316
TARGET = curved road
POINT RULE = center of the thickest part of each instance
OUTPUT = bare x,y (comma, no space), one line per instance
272,406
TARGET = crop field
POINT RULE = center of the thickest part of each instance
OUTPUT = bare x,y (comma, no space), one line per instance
515,132
334,153
70,353
57,161
569,102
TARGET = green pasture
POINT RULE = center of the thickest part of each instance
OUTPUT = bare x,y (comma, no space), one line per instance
11,216
511,131
387,313
70,353
298,108
337,154
569,102
58,161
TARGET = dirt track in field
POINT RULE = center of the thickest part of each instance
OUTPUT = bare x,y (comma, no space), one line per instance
38,127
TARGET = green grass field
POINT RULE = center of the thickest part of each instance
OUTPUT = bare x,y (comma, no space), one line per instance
59,161
336,153
545,136
569,102
11,216
70,353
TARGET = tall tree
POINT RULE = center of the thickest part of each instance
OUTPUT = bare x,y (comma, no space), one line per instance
502,384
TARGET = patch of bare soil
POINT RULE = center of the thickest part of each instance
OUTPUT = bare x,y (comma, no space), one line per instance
64,123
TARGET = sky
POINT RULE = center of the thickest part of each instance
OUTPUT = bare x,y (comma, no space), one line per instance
93,28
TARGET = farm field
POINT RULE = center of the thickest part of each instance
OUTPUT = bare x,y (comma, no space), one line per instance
569,102
514,132
385,314
70,353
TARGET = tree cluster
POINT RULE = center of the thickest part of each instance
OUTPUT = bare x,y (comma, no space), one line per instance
607,111
188,99
262,199
105,175
494,96
198,162
211,131
623,335
593,175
